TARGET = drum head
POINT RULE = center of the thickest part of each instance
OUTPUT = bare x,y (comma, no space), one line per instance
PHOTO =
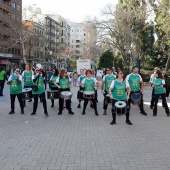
52,91
135,96
66,93
120,104
26,90
89,92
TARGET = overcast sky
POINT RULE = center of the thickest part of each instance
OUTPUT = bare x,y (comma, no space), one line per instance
75,10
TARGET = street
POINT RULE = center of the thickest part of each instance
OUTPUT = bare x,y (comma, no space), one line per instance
83,142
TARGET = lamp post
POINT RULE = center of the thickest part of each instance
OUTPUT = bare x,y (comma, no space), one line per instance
129,54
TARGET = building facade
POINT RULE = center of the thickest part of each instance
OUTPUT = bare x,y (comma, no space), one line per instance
10,29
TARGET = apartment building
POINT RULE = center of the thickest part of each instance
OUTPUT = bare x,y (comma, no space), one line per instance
10,47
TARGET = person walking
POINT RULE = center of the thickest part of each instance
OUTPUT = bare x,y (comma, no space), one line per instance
3,77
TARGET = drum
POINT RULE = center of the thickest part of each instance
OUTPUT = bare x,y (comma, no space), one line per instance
135,98
89,94
53,94
108,99
26,93
66,95
120,108
80,95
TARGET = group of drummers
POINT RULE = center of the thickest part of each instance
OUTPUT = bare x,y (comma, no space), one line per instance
118,92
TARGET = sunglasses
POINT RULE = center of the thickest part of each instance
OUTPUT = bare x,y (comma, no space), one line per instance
17,70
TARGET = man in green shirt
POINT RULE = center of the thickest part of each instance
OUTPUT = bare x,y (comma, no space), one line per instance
2,80
136,84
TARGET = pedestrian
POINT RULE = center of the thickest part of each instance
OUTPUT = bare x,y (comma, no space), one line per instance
39,82
15,82
52,84
63,82
117,92
136,85
3,77
159,90
75,78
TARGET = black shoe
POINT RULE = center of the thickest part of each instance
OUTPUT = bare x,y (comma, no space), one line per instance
11,112
105,113
91,105
70,112
46,113
30,100
79,106
167,114
83,113
113,122
143,112
151,107
22,111
96,113
59,113
128,122
52,105
33,113
154,114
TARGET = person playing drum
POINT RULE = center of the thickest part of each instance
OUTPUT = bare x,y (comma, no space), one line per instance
106,82
136,84
63,82
117,92
159,90
80,79
39,81
15,81
52,84
89,84
27,76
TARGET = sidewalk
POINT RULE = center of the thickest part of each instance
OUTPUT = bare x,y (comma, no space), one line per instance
82,142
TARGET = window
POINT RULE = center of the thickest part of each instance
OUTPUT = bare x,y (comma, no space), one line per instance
18,7
19,52
13,5
13,16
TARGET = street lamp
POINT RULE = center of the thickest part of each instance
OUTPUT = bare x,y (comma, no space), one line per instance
129,54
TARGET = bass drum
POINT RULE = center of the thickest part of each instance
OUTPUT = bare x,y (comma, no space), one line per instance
53,94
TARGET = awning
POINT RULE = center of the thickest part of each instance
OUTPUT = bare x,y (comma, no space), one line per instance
4,62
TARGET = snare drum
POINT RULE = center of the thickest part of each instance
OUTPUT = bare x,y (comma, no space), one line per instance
108,99
53,94
80,95
66,95
89,94
135,98
26,93
120,108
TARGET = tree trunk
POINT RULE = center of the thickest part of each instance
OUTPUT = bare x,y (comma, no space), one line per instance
167,63
23,52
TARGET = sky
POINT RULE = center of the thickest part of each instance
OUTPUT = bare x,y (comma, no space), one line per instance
74,10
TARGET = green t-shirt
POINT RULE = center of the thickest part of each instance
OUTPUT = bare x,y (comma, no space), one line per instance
119,90
134,82
53,79
108,81
82,78
64,83
15,87
2,73
41,87
28,78
89,84
158,86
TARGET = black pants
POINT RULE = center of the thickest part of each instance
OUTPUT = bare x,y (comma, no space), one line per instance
35,104
127,109
1,88
81,88
19,96
167,91
105,104
30,93
52,100
86,102
141,101
163,96
153,99
61,102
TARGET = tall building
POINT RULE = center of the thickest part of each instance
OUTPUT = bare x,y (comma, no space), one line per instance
10,28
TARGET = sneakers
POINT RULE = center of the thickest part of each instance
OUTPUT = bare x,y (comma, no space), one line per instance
11,112
144,113
59,113
113,122
96,113
105,113
83,113
128,122
33,113
167,114
70,112
154,114
22,111
46,113
78,106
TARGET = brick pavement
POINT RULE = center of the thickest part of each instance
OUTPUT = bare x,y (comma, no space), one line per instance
82,142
